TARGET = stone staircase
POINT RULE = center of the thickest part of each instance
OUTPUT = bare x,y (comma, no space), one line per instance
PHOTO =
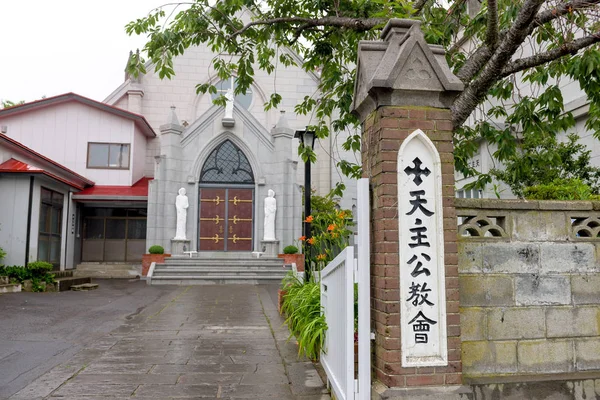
218,268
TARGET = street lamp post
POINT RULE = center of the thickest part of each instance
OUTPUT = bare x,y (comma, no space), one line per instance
307,138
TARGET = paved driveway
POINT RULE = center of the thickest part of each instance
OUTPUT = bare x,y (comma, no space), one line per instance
150,342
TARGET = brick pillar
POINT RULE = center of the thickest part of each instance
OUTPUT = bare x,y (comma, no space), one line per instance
398,91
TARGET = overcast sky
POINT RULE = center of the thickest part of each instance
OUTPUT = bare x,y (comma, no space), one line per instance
53,47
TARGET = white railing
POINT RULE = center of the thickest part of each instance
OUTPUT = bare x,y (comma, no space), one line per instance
337,300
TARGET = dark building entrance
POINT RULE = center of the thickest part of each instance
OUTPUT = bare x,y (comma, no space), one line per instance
113,234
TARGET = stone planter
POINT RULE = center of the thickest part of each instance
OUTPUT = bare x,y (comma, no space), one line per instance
294,258
148,259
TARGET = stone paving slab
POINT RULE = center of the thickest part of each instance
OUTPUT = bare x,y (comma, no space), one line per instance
217,342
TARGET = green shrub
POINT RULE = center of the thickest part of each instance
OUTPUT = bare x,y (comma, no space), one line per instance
302,306
156,249
39,268
16,273
561,189
2,254
290,249
36,272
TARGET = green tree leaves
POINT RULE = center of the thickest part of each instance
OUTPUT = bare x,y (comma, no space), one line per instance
512,56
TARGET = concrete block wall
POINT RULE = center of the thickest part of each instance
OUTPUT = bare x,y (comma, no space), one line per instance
529,276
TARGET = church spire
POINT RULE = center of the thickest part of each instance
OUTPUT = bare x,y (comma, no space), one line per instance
172,125
282,128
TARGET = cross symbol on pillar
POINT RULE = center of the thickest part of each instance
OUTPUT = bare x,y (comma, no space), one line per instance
417,171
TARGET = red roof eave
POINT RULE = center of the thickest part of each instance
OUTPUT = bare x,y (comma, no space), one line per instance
138,191
13,166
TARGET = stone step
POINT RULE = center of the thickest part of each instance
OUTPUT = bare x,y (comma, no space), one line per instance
214,280
200,268
232,273
63,274
223,255
65,284
192,261
85,286
10,288
109,270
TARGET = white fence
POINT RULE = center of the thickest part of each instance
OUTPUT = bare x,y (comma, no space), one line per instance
337,299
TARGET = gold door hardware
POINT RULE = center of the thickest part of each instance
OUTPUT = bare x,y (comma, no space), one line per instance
221,229
236,201
235,238
230,229
216,219
235,219
216,238
216,200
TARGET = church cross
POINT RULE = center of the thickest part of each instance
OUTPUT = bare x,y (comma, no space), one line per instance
417,171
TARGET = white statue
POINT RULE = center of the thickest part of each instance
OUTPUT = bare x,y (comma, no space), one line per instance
182,204
229,104
270,210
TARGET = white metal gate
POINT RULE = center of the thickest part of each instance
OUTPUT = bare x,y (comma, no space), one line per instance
337,300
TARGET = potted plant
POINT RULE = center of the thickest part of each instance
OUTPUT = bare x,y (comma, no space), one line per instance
155,254
290,255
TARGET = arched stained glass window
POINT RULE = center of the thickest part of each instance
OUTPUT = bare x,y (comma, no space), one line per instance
227,164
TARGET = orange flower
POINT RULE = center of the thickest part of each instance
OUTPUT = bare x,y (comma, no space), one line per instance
321,257
342,214
331,227
302,238
309,219
311,240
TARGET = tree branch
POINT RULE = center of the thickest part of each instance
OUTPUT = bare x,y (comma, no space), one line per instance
550,55
492,24
474,64
357,24
419,4
560,10
478,88
484,53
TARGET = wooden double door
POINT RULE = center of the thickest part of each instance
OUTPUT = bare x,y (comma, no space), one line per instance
226,219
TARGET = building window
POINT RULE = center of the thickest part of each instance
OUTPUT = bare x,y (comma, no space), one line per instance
108,155
244,100
50,232
469,194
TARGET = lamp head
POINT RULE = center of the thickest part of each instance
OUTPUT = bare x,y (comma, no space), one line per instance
307,138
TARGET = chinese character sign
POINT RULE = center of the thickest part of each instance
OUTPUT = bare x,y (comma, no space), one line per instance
422,286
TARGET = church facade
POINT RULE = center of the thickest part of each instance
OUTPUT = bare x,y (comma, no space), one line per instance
106,174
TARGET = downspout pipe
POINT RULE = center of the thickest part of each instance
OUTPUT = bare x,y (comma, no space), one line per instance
29,210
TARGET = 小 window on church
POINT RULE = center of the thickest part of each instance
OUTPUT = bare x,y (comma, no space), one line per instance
244,100
108,155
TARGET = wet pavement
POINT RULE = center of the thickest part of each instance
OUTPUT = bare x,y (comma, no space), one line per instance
225,342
